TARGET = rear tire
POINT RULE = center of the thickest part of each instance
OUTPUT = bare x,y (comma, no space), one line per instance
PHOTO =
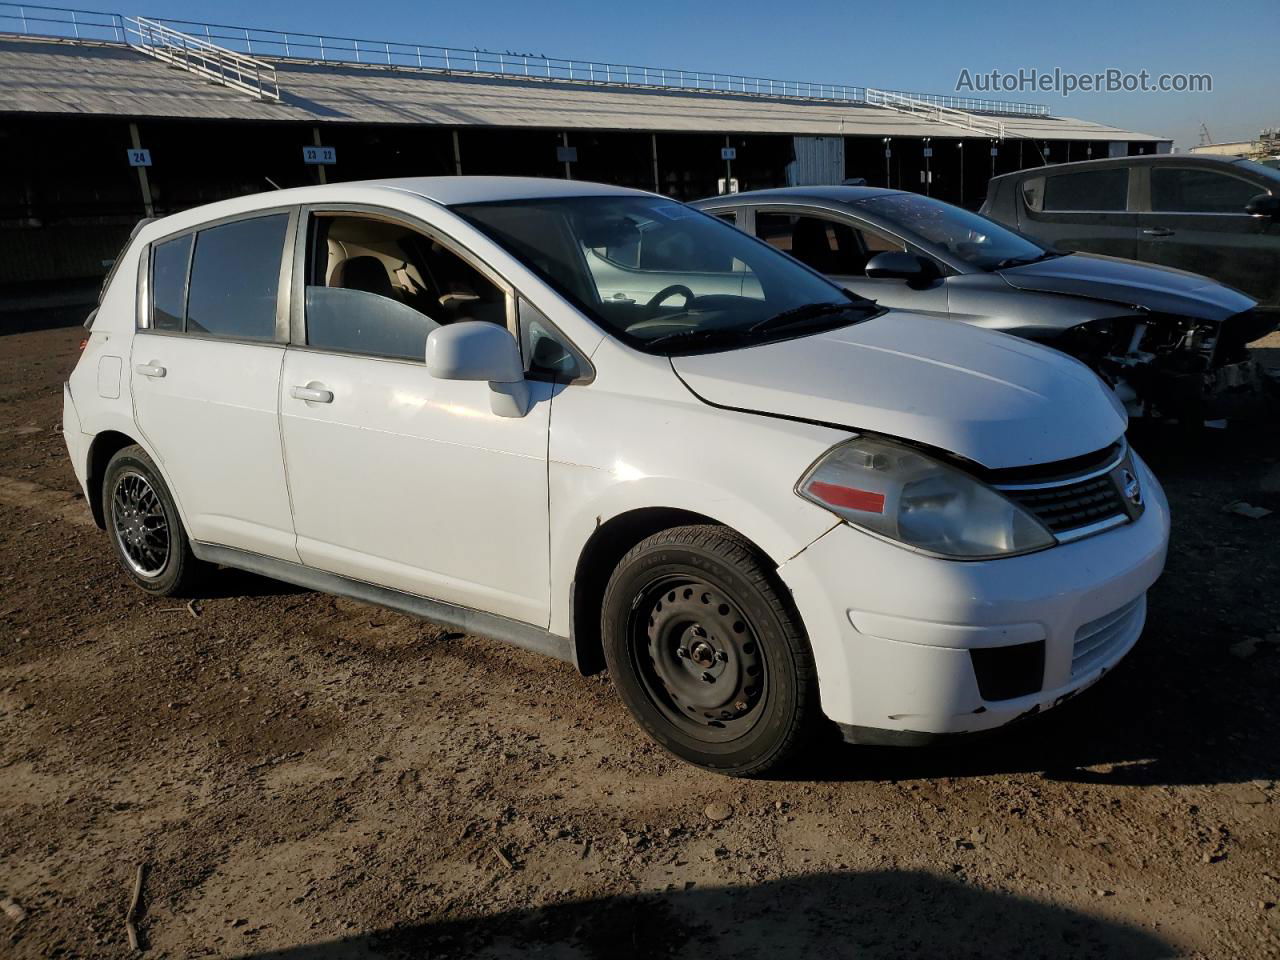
144,527
707,651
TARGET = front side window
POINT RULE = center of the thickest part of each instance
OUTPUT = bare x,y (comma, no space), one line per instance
829,246
1188,190
379,288
967,236
235,277
662,276
1102,190
169,262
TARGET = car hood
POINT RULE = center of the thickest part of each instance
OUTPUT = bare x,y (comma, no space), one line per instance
990,397
1158,289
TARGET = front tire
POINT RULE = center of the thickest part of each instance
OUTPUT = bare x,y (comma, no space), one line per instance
707,651
145,529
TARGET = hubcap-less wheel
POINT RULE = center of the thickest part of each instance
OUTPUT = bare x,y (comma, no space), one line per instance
139,523
698,658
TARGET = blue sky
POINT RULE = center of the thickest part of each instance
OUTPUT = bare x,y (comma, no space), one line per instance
916,45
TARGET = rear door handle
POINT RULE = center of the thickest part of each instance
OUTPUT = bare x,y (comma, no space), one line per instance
151,369
312,394
1158,232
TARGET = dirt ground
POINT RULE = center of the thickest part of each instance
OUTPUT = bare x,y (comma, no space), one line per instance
312,778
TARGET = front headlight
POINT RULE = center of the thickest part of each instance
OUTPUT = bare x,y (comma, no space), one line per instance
898,492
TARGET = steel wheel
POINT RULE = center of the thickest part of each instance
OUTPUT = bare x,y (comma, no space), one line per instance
140,525
698,658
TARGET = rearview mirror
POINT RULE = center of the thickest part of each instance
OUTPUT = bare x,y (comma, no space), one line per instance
1263,205
896,265
476,350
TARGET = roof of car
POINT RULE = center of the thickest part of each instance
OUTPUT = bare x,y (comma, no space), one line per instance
1183,159
452,190
836,194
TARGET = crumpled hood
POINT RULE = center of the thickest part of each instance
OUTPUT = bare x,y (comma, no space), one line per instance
993,398
1126,282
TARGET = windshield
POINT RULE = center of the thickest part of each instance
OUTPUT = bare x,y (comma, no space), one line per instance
662,276
974,239
1267,168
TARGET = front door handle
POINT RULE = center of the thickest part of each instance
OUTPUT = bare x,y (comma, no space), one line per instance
151,369
312,393
1157,232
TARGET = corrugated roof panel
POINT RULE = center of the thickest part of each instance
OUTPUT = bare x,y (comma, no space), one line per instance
38,76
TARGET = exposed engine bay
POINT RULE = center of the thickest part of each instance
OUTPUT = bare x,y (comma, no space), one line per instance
1176,367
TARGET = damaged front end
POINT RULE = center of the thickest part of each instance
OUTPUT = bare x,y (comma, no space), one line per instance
1181,368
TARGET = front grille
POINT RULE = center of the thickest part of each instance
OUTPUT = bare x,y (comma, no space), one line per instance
1098,639
1072,505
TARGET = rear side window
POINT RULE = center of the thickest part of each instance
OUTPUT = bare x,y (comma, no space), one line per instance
169,261
235,275
1088,190
1185,190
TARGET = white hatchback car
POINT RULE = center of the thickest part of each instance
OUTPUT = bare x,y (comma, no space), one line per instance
602,425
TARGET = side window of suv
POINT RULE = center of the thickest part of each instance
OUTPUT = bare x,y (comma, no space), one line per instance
1188,190
377,287
1093,190
235,276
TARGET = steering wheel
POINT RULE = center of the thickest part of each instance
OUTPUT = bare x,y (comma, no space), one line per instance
656,300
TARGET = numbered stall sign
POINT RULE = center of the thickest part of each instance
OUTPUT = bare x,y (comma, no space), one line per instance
139,158
324,155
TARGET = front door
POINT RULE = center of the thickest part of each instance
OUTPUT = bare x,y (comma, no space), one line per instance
397,478
206,380
1196,221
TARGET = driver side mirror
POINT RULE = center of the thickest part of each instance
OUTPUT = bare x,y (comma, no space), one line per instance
1263,205
896,265
476,350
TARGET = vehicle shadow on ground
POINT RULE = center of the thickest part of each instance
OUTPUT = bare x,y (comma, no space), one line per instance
866,915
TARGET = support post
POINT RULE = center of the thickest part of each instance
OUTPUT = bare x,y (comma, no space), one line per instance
564,142
653,143
143,181
457,154
320,170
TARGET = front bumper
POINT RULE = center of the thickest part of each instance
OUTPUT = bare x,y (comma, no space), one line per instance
892,631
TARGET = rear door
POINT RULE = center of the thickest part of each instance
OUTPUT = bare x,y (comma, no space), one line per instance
1081,211
1195,220
839,247
206,372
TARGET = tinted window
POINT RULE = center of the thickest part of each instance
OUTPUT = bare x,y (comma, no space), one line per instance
380,288
728,216
169,282
828,246
1087,190
1199,191
234,276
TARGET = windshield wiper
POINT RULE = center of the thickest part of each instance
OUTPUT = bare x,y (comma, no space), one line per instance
796,315
1023,261
697,337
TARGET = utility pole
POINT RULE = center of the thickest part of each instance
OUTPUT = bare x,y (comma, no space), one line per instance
928,172
960,147
888,152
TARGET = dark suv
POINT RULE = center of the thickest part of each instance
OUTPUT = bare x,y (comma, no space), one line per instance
1211,215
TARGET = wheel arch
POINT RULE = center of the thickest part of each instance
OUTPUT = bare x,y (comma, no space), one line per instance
608,544
105,445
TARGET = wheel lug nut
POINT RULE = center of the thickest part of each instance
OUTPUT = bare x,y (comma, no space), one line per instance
682,653
740,706
708,678
721,656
